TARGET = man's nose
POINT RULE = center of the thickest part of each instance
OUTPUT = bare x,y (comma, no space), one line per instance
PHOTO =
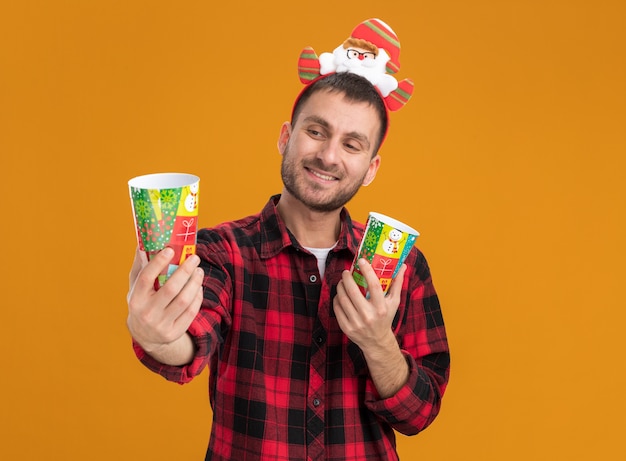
329,153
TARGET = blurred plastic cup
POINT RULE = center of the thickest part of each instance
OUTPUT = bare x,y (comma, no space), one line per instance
165,208
385,245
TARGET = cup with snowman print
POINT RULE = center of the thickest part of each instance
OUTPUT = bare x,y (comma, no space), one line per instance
385,245
165,211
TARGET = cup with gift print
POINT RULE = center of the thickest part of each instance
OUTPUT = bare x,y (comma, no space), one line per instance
165,209
385,245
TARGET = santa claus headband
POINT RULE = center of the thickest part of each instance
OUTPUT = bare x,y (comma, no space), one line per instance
372,51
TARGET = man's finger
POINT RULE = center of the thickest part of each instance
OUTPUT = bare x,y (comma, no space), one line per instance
352,290
186,297
148,274
396,285
373,283
138,263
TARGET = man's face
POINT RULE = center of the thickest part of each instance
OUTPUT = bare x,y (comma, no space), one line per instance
327,153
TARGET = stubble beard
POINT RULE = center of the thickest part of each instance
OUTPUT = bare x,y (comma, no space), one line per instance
317,202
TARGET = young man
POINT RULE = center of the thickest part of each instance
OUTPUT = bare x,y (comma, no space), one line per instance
302,365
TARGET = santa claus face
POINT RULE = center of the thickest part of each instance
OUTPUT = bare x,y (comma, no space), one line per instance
360,61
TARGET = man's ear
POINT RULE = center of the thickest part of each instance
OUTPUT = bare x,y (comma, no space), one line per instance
371,172
283,138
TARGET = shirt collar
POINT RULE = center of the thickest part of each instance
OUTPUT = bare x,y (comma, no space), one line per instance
275,236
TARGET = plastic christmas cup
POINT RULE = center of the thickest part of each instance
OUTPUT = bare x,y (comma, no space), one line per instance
385,245
165,210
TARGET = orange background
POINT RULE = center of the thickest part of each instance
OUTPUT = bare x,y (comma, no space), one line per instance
509,160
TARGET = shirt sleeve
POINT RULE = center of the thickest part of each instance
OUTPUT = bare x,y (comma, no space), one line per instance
207,329
198,330
422,337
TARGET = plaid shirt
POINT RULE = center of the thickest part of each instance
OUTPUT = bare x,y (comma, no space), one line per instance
285,382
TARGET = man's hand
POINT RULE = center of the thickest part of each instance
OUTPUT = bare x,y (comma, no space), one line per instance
367,322
158,319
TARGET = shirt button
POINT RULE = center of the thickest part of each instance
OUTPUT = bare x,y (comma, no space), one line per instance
320,339
316,402
313,278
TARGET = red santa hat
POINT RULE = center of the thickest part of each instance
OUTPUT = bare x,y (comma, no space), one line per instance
380,34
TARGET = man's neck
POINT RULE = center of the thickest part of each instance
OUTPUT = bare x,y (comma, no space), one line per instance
313,229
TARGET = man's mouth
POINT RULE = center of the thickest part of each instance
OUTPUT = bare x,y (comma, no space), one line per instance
323,176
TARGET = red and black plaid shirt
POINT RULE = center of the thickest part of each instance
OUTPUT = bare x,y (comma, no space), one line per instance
285,382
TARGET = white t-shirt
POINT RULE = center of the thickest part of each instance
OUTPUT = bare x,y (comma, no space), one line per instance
321,254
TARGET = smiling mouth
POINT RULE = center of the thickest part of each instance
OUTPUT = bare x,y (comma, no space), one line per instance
322,176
